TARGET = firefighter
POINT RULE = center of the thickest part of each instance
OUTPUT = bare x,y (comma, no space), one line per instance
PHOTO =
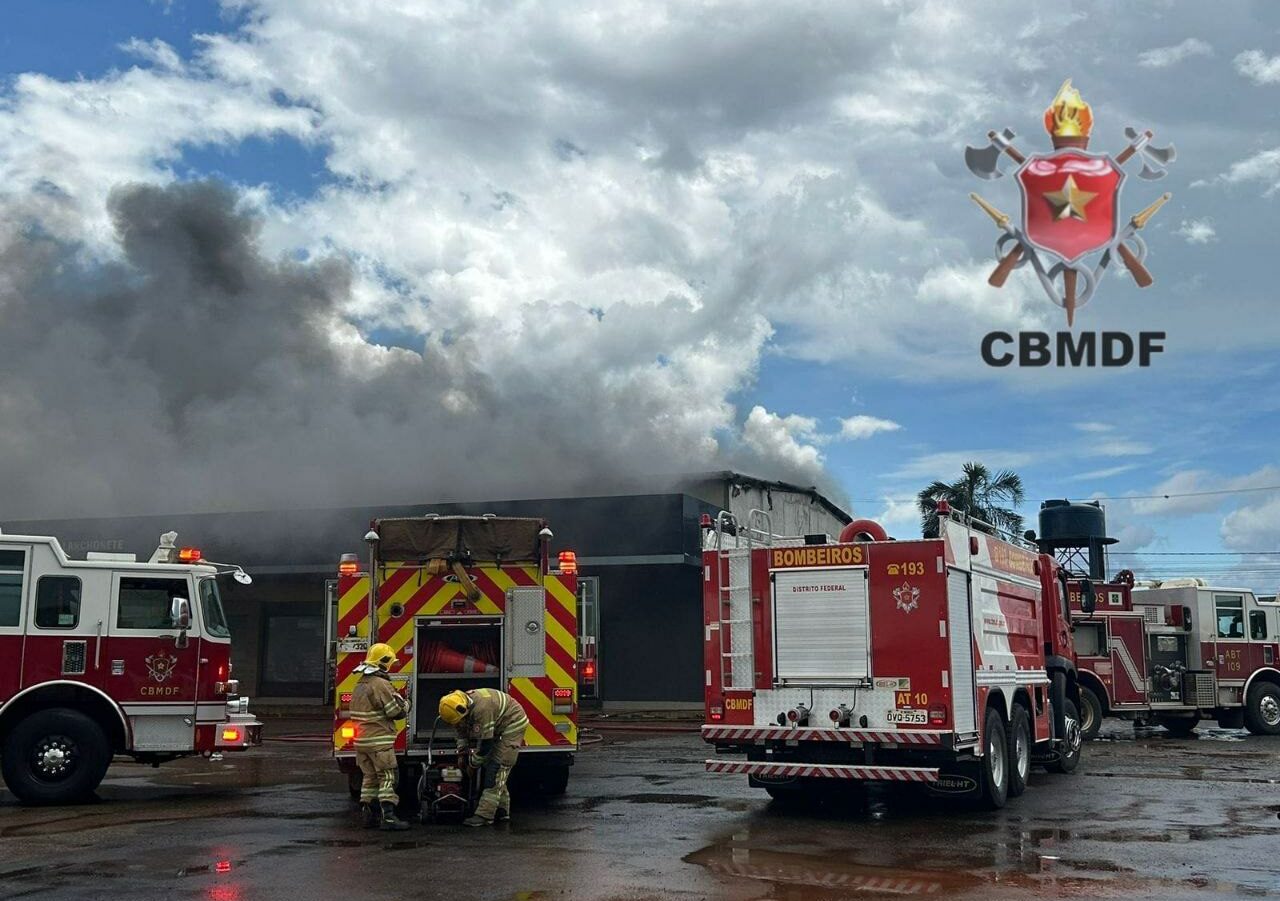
495,722
375,707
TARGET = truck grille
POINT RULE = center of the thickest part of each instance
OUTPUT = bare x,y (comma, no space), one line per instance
1199,689
73,658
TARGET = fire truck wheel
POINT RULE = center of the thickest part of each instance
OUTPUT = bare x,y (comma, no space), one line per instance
54,757
995,761
1069,757
1262,709
1019,750
1090,714
354,781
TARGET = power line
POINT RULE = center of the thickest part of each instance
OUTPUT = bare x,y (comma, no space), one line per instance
1194,554
1126,497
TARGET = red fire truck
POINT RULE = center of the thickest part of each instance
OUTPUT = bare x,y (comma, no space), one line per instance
107,656
467,602
1178,651
946,662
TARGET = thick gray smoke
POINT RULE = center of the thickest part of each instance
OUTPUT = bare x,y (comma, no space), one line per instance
196,374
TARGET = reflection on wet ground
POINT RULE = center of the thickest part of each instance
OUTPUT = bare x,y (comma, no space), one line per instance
1149,816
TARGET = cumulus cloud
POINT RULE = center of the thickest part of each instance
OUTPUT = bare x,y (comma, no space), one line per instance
783,439
1200,489
1258,67
1262,167
1254,527
1163,57
1197,231
858,427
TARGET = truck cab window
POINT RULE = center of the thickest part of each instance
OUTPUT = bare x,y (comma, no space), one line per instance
1230,612
215,621
12,566
145,603
57,602
1258,625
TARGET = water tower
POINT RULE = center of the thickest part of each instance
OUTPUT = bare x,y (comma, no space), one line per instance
1076,535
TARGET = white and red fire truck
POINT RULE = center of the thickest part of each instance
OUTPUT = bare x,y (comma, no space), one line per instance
108,656
1174,652
467,602
946,662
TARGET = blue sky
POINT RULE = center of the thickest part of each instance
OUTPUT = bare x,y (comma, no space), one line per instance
764,208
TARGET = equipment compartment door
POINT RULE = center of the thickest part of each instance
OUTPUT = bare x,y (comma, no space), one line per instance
960,635
821,625
453,653
526,632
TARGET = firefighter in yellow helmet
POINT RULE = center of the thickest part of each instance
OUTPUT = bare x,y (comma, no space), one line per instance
490,725
375,707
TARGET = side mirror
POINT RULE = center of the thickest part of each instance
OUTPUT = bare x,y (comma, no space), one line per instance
180,614
1088,598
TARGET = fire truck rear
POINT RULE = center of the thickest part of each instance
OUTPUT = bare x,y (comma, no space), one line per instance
946,662
108,656
466,602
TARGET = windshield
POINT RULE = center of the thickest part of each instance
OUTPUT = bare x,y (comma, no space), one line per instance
215,621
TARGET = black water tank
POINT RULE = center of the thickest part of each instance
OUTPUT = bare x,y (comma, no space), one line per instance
1066,526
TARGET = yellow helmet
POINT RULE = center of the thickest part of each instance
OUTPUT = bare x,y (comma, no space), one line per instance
381,654
454,706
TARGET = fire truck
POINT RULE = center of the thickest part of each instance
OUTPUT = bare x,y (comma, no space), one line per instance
467,602
108,656
1174,652
946,662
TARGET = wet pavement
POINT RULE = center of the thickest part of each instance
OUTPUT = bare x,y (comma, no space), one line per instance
1149,816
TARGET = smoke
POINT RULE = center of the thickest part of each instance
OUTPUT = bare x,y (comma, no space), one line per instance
192,373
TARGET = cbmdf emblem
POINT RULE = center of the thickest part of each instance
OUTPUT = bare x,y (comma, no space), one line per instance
1069,204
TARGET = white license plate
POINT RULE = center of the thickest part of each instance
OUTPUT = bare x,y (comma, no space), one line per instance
919,717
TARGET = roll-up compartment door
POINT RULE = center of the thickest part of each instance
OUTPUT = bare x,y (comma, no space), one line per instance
960,633
821,625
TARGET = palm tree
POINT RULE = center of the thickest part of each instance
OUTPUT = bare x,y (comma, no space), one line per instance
992,499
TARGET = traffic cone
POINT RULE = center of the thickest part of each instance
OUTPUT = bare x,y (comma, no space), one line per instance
444,659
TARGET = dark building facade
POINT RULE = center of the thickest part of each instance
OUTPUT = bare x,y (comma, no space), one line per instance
639,557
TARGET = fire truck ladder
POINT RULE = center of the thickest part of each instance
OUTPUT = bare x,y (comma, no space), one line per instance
733,576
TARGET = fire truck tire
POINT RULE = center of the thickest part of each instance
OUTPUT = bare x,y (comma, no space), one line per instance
1069,758
353,784
55,756
1090,714
995,761
555,782
1019,750
1262,709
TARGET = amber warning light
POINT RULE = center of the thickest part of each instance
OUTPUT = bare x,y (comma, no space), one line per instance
349,565
568,562
189,555
231,733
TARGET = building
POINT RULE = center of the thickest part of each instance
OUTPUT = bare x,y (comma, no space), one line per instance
639,558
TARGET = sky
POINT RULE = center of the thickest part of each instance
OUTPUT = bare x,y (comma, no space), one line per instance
261,253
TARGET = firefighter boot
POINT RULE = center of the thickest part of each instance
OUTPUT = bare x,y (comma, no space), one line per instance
390,823
501,815
368,815
476,821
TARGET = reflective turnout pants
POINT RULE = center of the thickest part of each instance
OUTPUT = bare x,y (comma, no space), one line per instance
379,771
497,769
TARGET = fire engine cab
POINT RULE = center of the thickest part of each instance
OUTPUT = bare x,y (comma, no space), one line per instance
108,656
946,662
466,602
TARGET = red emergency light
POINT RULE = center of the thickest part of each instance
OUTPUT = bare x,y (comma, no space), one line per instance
717,714
568,562
189,555
562,694
589,670
705,521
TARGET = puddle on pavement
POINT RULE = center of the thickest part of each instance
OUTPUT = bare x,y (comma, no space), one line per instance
832,874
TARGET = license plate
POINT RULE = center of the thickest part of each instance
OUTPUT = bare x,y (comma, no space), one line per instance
917,717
